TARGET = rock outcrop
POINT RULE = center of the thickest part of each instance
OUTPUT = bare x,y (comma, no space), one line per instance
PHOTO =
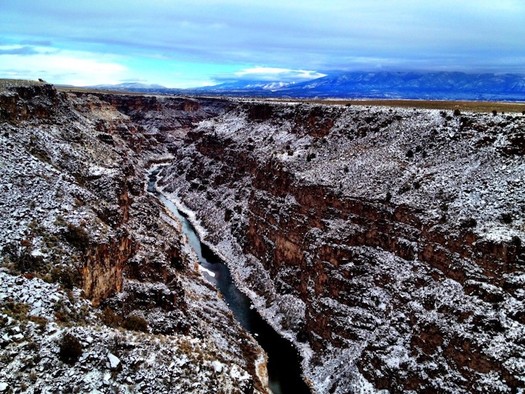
92,266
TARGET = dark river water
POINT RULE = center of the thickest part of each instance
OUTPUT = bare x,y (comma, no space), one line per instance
284,370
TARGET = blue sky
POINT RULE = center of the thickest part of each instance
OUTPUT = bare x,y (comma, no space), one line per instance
187,43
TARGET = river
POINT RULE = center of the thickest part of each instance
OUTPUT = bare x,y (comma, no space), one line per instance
284,371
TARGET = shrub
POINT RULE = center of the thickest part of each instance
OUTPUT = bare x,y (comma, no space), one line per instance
310,156
77,236
228,213
506,218
469,223
63,314
66,276
70,349
516,241
20,260
135,323
17,310
110,318
40,321
457,112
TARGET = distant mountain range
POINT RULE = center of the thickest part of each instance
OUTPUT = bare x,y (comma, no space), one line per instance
354,85
133,87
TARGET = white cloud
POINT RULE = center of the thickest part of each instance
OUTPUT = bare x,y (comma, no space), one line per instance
276,73
61,67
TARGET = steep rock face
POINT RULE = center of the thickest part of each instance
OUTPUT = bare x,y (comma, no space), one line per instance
160,120
78,223
25,100
102,273
388,241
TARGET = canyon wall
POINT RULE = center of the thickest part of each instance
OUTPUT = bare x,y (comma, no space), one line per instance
100,290
386,243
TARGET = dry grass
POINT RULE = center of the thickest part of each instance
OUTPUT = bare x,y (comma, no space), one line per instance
9,83
87,90
475,106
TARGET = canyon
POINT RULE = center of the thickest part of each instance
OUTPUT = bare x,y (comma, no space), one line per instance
385,243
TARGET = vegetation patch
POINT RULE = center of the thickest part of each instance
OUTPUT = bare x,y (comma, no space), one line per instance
16,310
70,349
68,277
76,236
110,318
135,323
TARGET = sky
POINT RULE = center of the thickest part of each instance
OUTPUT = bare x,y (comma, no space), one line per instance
191,43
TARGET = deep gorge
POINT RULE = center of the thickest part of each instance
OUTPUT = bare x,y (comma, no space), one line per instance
284,370
385,243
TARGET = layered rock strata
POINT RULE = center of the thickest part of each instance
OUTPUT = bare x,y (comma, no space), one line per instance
386,243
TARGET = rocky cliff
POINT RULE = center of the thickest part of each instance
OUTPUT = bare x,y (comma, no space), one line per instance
99,289
385,243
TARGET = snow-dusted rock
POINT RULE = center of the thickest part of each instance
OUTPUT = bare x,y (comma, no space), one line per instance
380,240
386,243
114,361
217,366
78,228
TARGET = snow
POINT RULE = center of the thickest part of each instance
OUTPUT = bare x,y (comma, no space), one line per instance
449,174
56,175
217,366
114,361
237,374
206,271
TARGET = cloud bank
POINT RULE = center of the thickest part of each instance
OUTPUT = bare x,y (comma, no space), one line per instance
260,73
187,41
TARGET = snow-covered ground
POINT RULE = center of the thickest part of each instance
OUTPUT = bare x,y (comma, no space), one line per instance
386,243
